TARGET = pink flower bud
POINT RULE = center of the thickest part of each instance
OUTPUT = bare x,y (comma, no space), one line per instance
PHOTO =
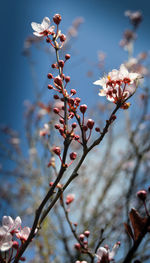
57,126
62,37
87,233
142,194
56,97
67,79
57,19
77,246
76,137
70,198
61,63
53,65
51,183
67,56
50,87
56,110
73,155
82,237
50,76
97,129
58,81
56,150
83,108
74,125
61,120
77,101
90,124
73,91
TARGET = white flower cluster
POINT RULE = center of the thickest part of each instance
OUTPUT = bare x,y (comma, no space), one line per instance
9,229
118,85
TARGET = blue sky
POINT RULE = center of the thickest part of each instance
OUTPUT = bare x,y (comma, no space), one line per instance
102,30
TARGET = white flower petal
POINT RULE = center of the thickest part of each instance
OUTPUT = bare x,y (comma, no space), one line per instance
37,27
7,221
45,23
101,251
37,34
102,93
18,222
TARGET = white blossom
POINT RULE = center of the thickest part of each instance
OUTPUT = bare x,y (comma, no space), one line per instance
10,224
23,233
42,29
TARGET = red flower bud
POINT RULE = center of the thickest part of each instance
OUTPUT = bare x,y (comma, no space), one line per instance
87,233
73,155
85,128
57,126
22,259
61,63
142,194
61,120
74,125
50,76
50,87
81,237
67,56
62,37
56,150
90,124
53,65
83,108
77,101
77,246
58,81
56,110
51,183
67,79
56,97
73,91
97,129
57,19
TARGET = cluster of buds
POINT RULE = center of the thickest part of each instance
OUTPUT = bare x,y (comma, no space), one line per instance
83,241
10,231
70,198
119,85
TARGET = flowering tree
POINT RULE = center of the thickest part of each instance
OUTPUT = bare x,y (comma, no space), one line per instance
63,159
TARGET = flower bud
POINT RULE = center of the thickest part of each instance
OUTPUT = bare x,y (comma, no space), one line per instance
142,194
97,129
62,37
61,120
77,246
83,108
77,101
90,124
57,19
53,66
56,97
74,125
56,150
58,81
67,79
50,87
56,110
67,56
73,91
70,198
87,233
57,126
81,237
61,63
73,155
51,183
50,76
22,259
